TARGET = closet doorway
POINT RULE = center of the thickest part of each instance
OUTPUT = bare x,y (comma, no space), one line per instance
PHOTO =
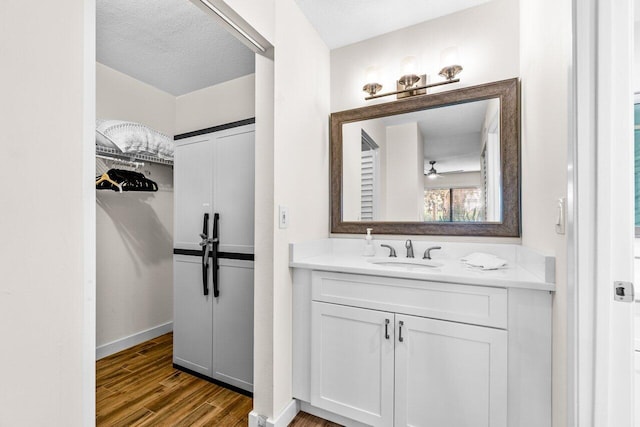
164,69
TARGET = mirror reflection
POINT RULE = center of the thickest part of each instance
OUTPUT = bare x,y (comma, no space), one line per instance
436,165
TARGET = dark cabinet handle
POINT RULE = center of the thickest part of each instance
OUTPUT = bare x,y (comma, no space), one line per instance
205,254
386,329
214,243
401,323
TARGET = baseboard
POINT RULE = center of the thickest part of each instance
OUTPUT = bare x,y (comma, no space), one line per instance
135,339
283,419
329,416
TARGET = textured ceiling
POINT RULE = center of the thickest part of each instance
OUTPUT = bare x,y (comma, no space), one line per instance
343,22
169,44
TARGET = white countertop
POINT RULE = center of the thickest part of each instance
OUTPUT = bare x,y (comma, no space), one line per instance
338,255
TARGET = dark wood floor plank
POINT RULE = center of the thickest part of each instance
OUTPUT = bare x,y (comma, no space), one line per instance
164,338
135,418
152,374
190,390
121,405
101,394
307,420
202,416
139,387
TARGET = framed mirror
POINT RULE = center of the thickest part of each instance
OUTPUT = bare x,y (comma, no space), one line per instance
440,164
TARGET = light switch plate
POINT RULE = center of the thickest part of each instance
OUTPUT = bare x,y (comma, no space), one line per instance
283,217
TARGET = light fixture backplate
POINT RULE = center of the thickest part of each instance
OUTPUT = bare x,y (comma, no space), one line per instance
423,81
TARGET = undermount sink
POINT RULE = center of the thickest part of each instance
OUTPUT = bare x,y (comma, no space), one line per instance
406,264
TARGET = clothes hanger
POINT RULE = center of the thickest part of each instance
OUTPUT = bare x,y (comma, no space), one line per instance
133,181
106,178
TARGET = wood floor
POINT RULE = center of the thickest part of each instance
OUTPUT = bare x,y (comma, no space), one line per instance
140,387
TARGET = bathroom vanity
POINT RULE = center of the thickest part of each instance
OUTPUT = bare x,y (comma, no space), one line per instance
397,342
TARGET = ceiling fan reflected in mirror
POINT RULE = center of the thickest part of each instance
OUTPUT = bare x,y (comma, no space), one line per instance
433,173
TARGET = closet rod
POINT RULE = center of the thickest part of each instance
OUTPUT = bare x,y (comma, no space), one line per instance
121,161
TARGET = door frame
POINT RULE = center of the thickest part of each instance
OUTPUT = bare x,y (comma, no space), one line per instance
265,98
600,72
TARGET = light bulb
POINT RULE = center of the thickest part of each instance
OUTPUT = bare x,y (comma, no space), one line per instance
450,56
371,75
409,65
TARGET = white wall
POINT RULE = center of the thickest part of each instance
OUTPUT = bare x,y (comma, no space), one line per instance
120,96
486,35
545,54
216,105
134,230
46,249
352,171
406,200
301,166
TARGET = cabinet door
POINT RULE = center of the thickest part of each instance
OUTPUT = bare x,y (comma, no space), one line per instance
192,177
352,362
233,325
234,192
192,311
449,374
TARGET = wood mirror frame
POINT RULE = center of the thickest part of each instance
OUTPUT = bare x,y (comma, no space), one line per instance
508,93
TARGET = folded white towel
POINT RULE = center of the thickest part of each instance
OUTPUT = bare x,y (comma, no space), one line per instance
133,138
484,261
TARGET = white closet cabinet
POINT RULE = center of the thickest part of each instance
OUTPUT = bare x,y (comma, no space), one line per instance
192,327
213,294
368,364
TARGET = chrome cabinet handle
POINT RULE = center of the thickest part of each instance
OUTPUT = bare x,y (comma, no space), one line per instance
386,329
401,323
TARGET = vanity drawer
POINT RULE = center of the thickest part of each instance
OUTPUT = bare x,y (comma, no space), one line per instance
478,305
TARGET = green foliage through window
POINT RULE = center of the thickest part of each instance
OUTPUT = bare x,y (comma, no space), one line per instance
454,205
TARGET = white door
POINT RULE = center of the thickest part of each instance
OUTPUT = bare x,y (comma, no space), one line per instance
192,190
192,311
614,361
352,362
449,374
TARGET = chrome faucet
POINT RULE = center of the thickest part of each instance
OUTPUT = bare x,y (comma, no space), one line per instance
392,252
427,253
409,247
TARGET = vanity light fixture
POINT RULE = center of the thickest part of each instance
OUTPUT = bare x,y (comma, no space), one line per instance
410,82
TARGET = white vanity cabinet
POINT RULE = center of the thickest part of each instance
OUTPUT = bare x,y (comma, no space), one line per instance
365,363
385,351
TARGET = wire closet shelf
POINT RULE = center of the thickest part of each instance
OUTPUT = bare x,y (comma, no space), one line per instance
113,154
